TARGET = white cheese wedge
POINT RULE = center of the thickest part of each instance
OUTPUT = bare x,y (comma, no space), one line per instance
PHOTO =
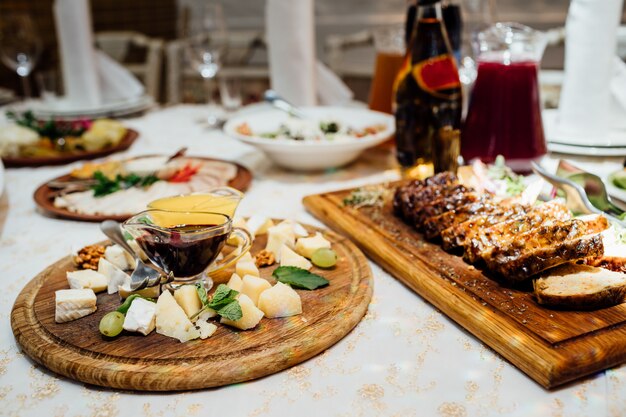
289,258
297,228
278,236
206,329
73,304
187,297
246,266
171,320
305,246
235,282
280,301
140,317
87,278
234,239
258,225
253,287
117,256
148,292
251,316
116,276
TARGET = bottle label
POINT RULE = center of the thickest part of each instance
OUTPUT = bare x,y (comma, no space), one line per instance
436,75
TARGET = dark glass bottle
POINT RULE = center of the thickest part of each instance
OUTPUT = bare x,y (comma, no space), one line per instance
427,103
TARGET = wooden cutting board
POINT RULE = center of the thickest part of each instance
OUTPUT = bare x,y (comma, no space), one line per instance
158,363
551,346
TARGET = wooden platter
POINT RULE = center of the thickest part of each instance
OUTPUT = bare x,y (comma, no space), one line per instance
44,197
39,161
551,346
157,363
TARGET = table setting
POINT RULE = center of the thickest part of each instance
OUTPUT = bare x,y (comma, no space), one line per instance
459,251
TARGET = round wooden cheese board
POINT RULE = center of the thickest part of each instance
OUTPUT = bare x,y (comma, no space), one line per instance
131,361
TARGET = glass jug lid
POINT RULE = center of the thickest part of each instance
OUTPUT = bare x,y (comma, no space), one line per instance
510,42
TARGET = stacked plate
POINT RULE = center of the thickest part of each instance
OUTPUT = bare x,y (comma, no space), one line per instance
61,109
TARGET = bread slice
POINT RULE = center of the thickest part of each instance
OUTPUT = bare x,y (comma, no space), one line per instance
580,287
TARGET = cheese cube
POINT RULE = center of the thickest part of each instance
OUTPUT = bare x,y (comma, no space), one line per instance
280,301
278,236
187,297
235,282
73,304
206,329
140,317
307,245
171,320
148,292
235,240
253,287
117,256
290,258
116,276
87,278
258,225
246,266
297,228
251,316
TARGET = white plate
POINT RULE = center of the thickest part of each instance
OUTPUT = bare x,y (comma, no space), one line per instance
308,155
615,141
111,109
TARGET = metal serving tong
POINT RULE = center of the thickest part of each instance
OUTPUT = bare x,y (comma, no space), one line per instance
279,102
585,193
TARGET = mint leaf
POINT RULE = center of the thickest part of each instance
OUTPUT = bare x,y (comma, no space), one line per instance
202,293
231,311
299,278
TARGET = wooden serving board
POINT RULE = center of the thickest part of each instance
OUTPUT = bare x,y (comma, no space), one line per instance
44,196
551,346
63,159
157,363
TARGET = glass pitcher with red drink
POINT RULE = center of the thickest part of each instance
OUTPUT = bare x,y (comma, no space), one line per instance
504,115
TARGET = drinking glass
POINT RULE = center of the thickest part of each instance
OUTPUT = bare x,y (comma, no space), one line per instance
20,46
185,245
206,46
390,49
230,94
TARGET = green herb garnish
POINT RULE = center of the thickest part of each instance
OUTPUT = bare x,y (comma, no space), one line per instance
123,308
204,298
231,311
366,196
299,278
105,185
223,302
50,129
499,171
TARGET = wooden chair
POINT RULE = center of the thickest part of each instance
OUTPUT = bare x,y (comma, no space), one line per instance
120,45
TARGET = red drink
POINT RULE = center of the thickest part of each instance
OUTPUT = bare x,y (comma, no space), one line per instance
504,116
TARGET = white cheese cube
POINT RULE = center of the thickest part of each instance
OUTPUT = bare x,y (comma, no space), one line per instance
251,316
253,287
234,239
235,282
297,228
140,317
117,256
87,278
171,320
258,225
278,236
280,301
73,304
206,329
305,246
187,297
246,266
290,258
116,276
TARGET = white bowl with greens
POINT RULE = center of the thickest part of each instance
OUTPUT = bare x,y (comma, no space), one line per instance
327,137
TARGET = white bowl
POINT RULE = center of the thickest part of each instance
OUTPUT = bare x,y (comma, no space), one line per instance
309,155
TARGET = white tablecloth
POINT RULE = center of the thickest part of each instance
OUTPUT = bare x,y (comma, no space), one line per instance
405,358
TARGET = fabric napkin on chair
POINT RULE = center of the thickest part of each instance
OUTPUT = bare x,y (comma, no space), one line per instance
116,82
590,44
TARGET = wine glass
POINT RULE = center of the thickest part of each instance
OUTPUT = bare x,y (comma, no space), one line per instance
205,48
20,46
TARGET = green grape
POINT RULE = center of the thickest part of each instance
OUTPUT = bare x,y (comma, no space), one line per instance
112,324
324,258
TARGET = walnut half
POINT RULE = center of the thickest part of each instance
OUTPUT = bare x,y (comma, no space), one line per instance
264,258
89,256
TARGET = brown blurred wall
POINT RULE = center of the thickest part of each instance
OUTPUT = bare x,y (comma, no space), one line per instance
155,18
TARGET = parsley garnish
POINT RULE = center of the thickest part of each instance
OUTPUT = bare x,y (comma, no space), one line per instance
299,278
105,185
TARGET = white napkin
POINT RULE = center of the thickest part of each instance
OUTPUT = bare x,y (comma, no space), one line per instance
116,82
290,30
331,90
78,63
590,44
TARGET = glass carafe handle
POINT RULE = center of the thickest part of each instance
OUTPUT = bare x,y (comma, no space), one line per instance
245,242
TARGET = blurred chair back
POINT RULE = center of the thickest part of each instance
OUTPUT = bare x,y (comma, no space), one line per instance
120,44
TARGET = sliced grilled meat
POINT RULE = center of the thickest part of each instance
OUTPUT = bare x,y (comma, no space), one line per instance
433,226
403,201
